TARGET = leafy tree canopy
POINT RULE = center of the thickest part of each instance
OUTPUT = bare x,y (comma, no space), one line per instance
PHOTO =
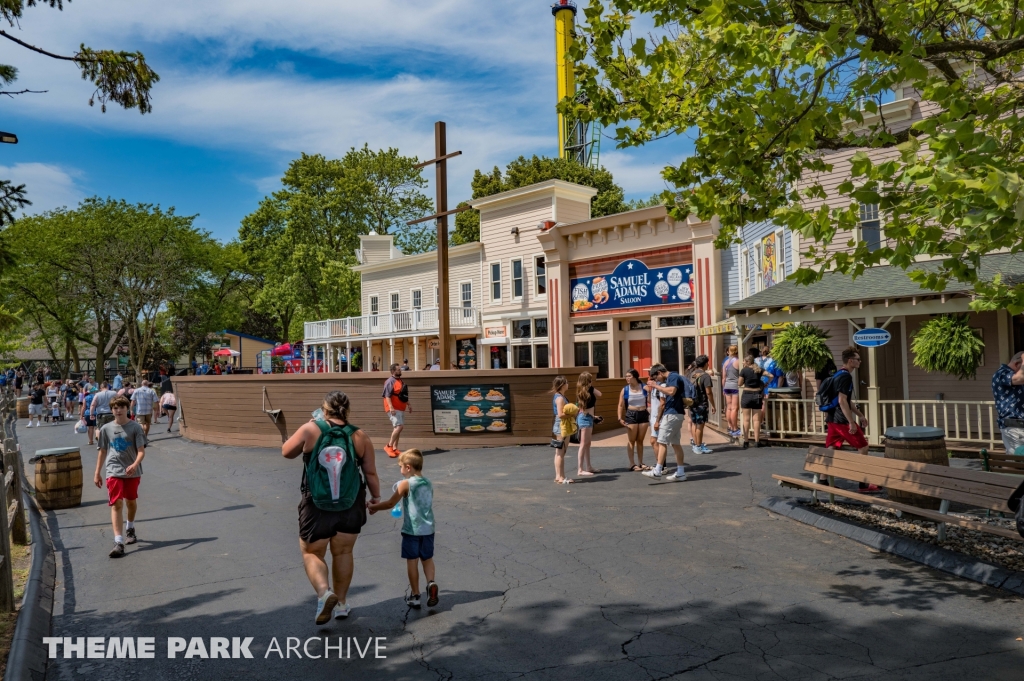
526,171
768,87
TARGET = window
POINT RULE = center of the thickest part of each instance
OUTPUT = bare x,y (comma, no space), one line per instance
467,294
417,299
542,356
517,279
870,226
437,297
540,327
641,325
593,327
744,276
581,353
523,357
521,328
496,282
758,279
666,322
374,308
395,304
780,257
540,275
668,353
601,358
689,350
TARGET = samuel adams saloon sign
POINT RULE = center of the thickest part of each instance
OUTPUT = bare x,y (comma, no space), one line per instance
632,284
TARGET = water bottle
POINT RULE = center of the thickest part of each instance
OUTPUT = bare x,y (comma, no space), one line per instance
396,510
318,415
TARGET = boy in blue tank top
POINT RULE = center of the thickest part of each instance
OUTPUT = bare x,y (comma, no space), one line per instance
416,495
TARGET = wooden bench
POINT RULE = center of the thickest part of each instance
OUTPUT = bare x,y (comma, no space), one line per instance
996,462
977,489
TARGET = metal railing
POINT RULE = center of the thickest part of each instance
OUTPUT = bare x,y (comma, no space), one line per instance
408,321
12,522
974,422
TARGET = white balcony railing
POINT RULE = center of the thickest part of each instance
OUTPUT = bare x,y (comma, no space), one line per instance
409,321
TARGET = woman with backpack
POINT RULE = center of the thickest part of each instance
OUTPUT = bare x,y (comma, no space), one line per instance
634,415
751,400
338,468
586,400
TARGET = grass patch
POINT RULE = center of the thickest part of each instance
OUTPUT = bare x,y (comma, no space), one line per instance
22,556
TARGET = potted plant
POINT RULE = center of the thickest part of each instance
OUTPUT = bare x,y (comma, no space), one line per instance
949,345
801,346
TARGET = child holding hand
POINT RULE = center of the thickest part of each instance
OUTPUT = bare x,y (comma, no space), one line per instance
416,495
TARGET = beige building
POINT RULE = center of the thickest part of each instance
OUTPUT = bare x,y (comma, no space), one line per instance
546,286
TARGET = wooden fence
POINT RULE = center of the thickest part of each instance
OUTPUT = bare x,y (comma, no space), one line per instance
12,523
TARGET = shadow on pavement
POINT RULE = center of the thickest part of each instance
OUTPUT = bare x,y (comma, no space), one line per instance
238,507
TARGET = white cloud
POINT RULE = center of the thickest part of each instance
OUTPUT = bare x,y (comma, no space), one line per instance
636,174
46,186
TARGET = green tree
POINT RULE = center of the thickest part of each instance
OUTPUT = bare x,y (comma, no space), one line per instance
768,88
394,196
526,171
120,77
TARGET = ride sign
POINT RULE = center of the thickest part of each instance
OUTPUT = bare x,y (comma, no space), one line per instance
872,338
633,284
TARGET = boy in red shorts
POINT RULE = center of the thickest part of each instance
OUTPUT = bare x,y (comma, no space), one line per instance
842,419
122,446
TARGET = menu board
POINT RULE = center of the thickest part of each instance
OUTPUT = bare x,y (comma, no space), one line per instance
471,408
467,353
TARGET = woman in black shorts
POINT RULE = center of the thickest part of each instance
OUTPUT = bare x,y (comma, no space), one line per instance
338,530
751,400
634,415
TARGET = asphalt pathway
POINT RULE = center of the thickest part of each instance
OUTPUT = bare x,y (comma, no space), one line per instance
618,577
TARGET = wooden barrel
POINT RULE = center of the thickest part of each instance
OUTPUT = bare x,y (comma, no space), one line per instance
59,477
916,443
22,407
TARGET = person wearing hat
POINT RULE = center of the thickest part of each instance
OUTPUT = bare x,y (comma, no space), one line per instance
703,403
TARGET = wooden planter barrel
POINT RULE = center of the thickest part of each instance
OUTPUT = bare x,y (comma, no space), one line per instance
916,443
22,407
59,477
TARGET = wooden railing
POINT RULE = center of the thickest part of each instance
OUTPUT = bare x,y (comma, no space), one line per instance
12,523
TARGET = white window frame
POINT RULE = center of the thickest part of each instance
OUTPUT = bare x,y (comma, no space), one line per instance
512,279
744,273
759,279
780,262
536,277
392,297
794,251
412,298
492,282
859,236
462,300
437,296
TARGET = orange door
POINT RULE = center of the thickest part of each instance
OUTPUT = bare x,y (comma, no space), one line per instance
640,356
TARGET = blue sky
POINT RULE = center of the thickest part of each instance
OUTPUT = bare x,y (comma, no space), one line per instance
248,85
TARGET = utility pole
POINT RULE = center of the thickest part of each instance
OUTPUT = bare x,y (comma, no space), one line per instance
440,159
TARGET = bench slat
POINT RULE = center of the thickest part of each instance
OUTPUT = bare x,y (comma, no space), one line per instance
924,513
964,492
983,477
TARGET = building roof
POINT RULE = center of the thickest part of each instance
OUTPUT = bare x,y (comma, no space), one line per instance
560,188
876,283
229,332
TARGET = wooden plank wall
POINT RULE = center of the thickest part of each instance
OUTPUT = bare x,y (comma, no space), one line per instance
228,410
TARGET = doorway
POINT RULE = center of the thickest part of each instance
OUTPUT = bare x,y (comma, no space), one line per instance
499,357
640,356
668,353
890,367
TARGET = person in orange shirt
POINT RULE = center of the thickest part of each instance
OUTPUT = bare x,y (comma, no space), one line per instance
396,403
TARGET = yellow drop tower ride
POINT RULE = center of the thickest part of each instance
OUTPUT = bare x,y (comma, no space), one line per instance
577,140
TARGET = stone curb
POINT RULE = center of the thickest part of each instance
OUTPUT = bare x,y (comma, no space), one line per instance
929,555
28,656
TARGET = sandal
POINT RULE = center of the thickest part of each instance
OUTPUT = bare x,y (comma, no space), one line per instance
566,481
635,468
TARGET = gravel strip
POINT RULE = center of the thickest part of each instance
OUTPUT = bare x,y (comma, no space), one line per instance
1006,553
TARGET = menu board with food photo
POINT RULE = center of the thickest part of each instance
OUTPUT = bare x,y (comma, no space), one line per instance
471,408
467,353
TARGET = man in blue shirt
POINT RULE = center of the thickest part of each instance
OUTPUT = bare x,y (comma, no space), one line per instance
669,424
1008,390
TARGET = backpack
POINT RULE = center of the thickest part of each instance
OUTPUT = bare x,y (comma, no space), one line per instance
700,396
689,392
827,397
625,393
333,476
403,394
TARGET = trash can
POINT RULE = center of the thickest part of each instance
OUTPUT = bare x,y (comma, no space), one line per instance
923,444
785,411
58,477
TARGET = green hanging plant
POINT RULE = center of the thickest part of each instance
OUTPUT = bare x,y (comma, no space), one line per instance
949,345
801,346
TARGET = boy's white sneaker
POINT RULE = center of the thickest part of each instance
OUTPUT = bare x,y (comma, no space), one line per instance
412,600
652,474
324,605
341,611
678,476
